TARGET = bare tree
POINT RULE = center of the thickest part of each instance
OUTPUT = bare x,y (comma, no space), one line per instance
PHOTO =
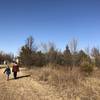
31,44
95,52
96,56
73,45
46,47
73,48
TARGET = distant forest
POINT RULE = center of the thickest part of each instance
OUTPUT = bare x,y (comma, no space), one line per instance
32,55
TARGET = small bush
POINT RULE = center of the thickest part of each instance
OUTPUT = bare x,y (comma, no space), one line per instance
87,67
44,74
60,76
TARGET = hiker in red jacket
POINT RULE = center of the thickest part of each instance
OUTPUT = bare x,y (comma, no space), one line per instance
15,69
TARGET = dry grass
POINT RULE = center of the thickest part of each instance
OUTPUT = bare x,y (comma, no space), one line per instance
25,88
51,83
70,84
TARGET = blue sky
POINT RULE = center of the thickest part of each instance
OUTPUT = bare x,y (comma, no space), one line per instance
58,21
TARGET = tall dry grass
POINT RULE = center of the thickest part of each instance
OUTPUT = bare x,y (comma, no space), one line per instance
71,84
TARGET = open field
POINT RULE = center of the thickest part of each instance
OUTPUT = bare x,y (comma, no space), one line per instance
39,84
25,88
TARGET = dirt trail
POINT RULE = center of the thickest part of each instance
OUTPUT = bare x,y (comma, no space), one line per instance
25,88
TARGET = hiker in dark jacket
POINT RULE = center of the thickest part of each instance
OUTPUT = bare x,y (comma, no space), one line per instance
7,71
15,69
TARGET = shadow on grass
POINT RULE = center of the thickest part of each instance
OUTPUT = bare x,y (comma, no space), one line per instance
19,77
23,76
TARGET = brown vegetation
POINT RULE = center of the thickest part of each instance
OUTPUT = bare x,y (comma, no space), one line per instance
51,83
70,84
69,75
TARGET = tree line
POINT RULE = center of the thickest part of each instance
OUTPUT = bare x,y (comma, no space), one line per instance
8,57
30,55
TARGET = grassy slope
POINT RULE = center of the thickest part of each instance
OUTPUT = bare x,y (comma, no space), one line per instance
50,84
71,85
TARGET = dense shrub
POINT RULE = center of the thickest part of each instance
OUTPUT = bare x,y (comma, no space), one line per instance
97,61
87,67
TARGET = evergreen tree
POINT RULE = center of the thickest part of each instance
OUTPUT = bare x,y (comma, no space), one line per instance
67,57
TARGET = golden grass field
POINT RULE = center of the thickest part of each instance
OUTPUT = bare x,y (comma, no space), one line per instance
50,84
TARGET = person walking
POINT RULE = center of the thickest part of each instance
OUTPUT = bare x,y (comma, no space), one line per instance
7,71
15,69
